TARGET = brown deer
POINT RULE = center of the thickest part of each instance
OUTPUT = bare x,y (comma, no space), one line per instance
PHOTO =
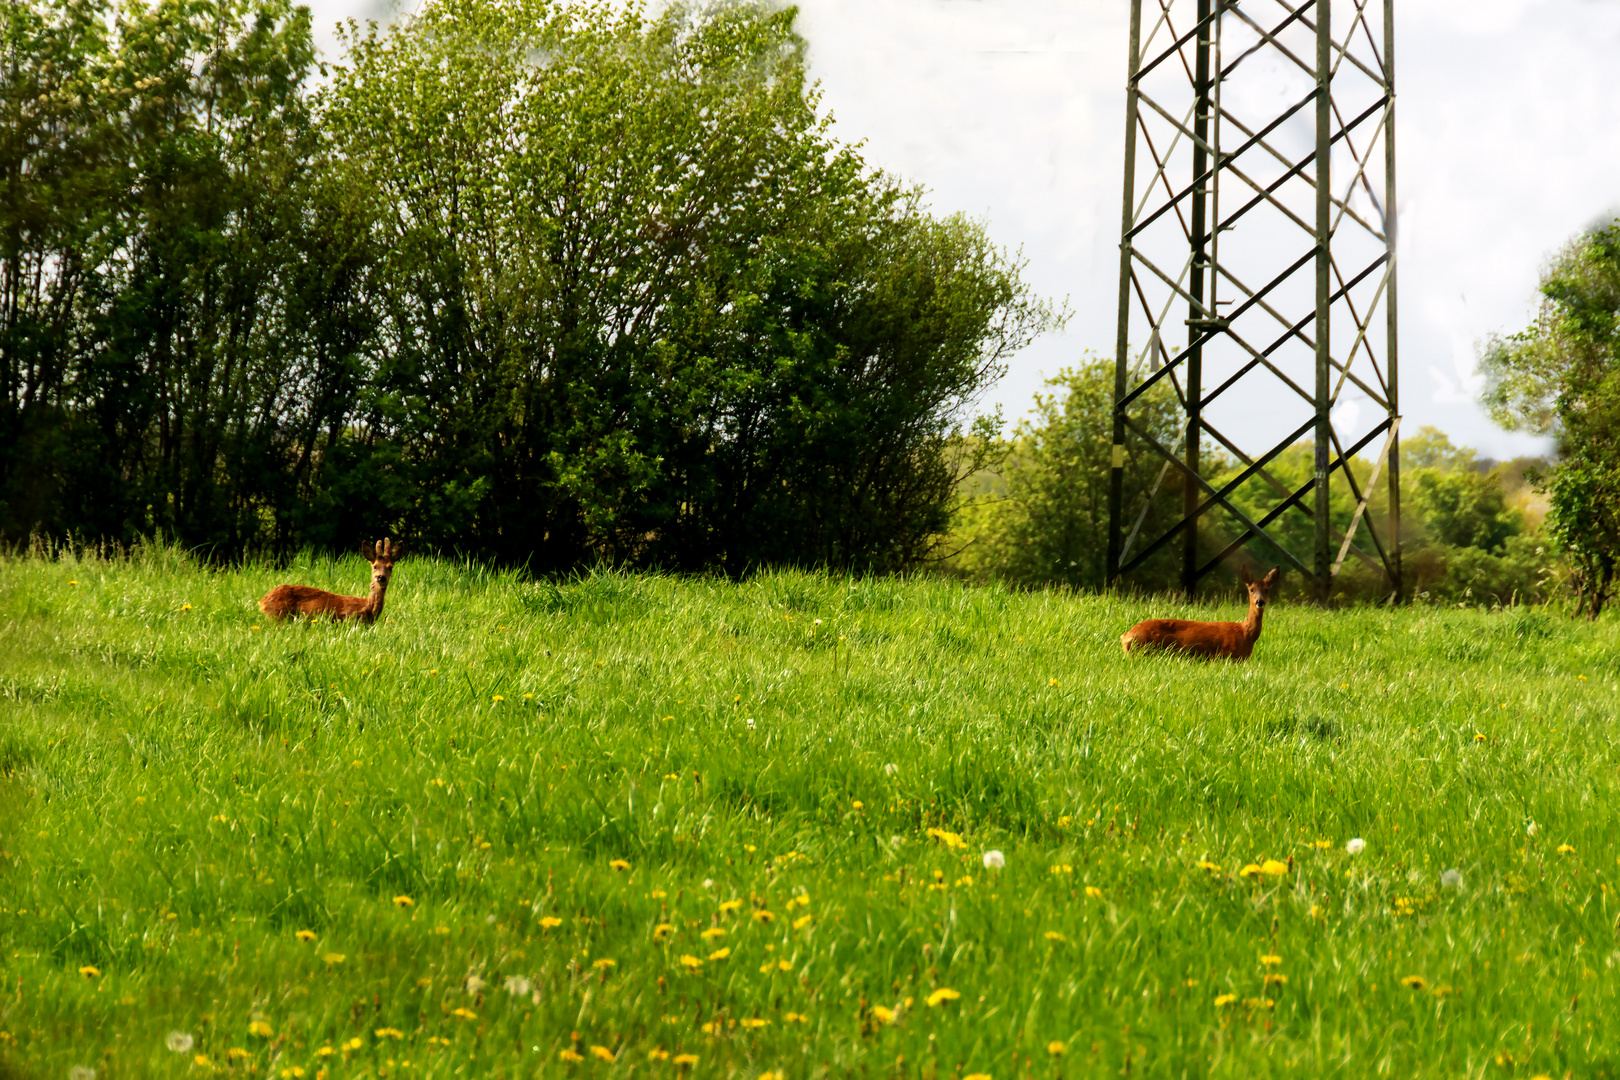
285,600
1220,640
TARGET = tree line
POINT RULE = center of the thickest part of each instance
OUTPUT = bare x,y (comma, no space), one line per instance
545,283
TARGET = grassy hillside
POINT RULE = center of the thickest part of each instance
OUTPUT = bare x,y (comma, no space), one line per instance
703,829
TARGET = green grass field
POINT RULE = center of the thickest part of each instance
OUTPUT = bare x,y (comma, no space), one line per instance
644,826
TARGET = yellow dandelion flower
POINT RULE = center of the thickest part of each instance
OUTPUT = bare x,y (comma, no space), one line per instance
261,1029
1055,1048
1094,892
942,995
1274,868
389,1033
713,932
90,972
728,906
569,1055
236,1053
882,1014
1053,935
691,963
404,901
185,607
1205,864
685,1060
1223,1000
465,1014
602,1053
657,1054
801,922
720,954
1415,982
353,1044
292,1071
201,1061
763,916
1276,978
1565,849
325,1051
619,864
662,931
796,1018
1271,960
604,962
753,1022
334,957
305,935
1249,870
548,922
658,894
977,1076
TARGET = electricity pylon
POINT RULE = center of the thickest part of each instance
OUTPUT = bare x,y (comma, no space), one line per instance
1259,201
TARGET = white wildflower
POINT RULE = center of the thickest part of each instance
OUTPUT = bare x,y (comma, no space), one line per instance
1531,828
891,768
1452,879
1356,846
474,984
180,1042
994,860
750,723
517,985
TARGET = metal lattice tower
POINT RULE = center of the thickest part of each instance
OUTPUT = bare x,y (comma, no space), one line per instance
1257,272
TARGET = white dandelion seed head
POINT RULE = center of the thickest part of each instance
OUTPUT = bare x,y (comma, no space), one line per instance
180,1042
891,769
489,920
708,883
818,622
1531,828
517,985
750,723
474,984
994,860
81,1072
1356,846
896,841
1452,879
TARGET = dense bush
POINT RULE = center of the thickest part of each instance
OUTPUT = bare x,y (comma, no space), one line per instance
543,282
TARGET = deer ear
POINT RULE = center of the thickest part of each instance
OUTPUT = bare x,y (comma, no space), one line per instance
1271,578
367,552
1244,575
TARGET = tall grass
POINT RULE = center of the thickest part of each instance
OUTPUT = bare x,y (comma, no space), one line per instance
506,826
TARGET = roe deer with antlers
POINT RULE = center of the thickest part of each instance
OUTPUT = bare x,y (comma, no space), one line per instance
1221,640
285,600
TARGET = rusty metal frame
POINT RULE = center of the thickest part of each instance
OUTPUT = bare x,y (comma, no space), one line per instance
1185,148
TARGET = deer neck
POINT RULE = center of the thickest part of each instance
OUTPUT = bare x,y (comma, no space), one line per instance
1251,625
374,601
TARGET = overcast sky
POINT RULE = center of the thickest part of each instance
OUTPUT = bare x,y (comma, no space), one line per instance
1508,140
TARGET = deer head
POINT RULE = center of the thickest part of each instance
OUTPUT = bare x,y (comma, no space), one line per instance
381,556
1259,590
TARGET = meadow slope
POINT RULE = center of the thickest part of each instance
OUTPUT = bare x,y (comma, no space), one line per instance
645,826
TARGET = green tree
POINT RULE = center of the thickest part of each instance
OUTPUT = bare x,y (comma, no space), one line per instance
178,310
1561,376
641,306
1042,518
